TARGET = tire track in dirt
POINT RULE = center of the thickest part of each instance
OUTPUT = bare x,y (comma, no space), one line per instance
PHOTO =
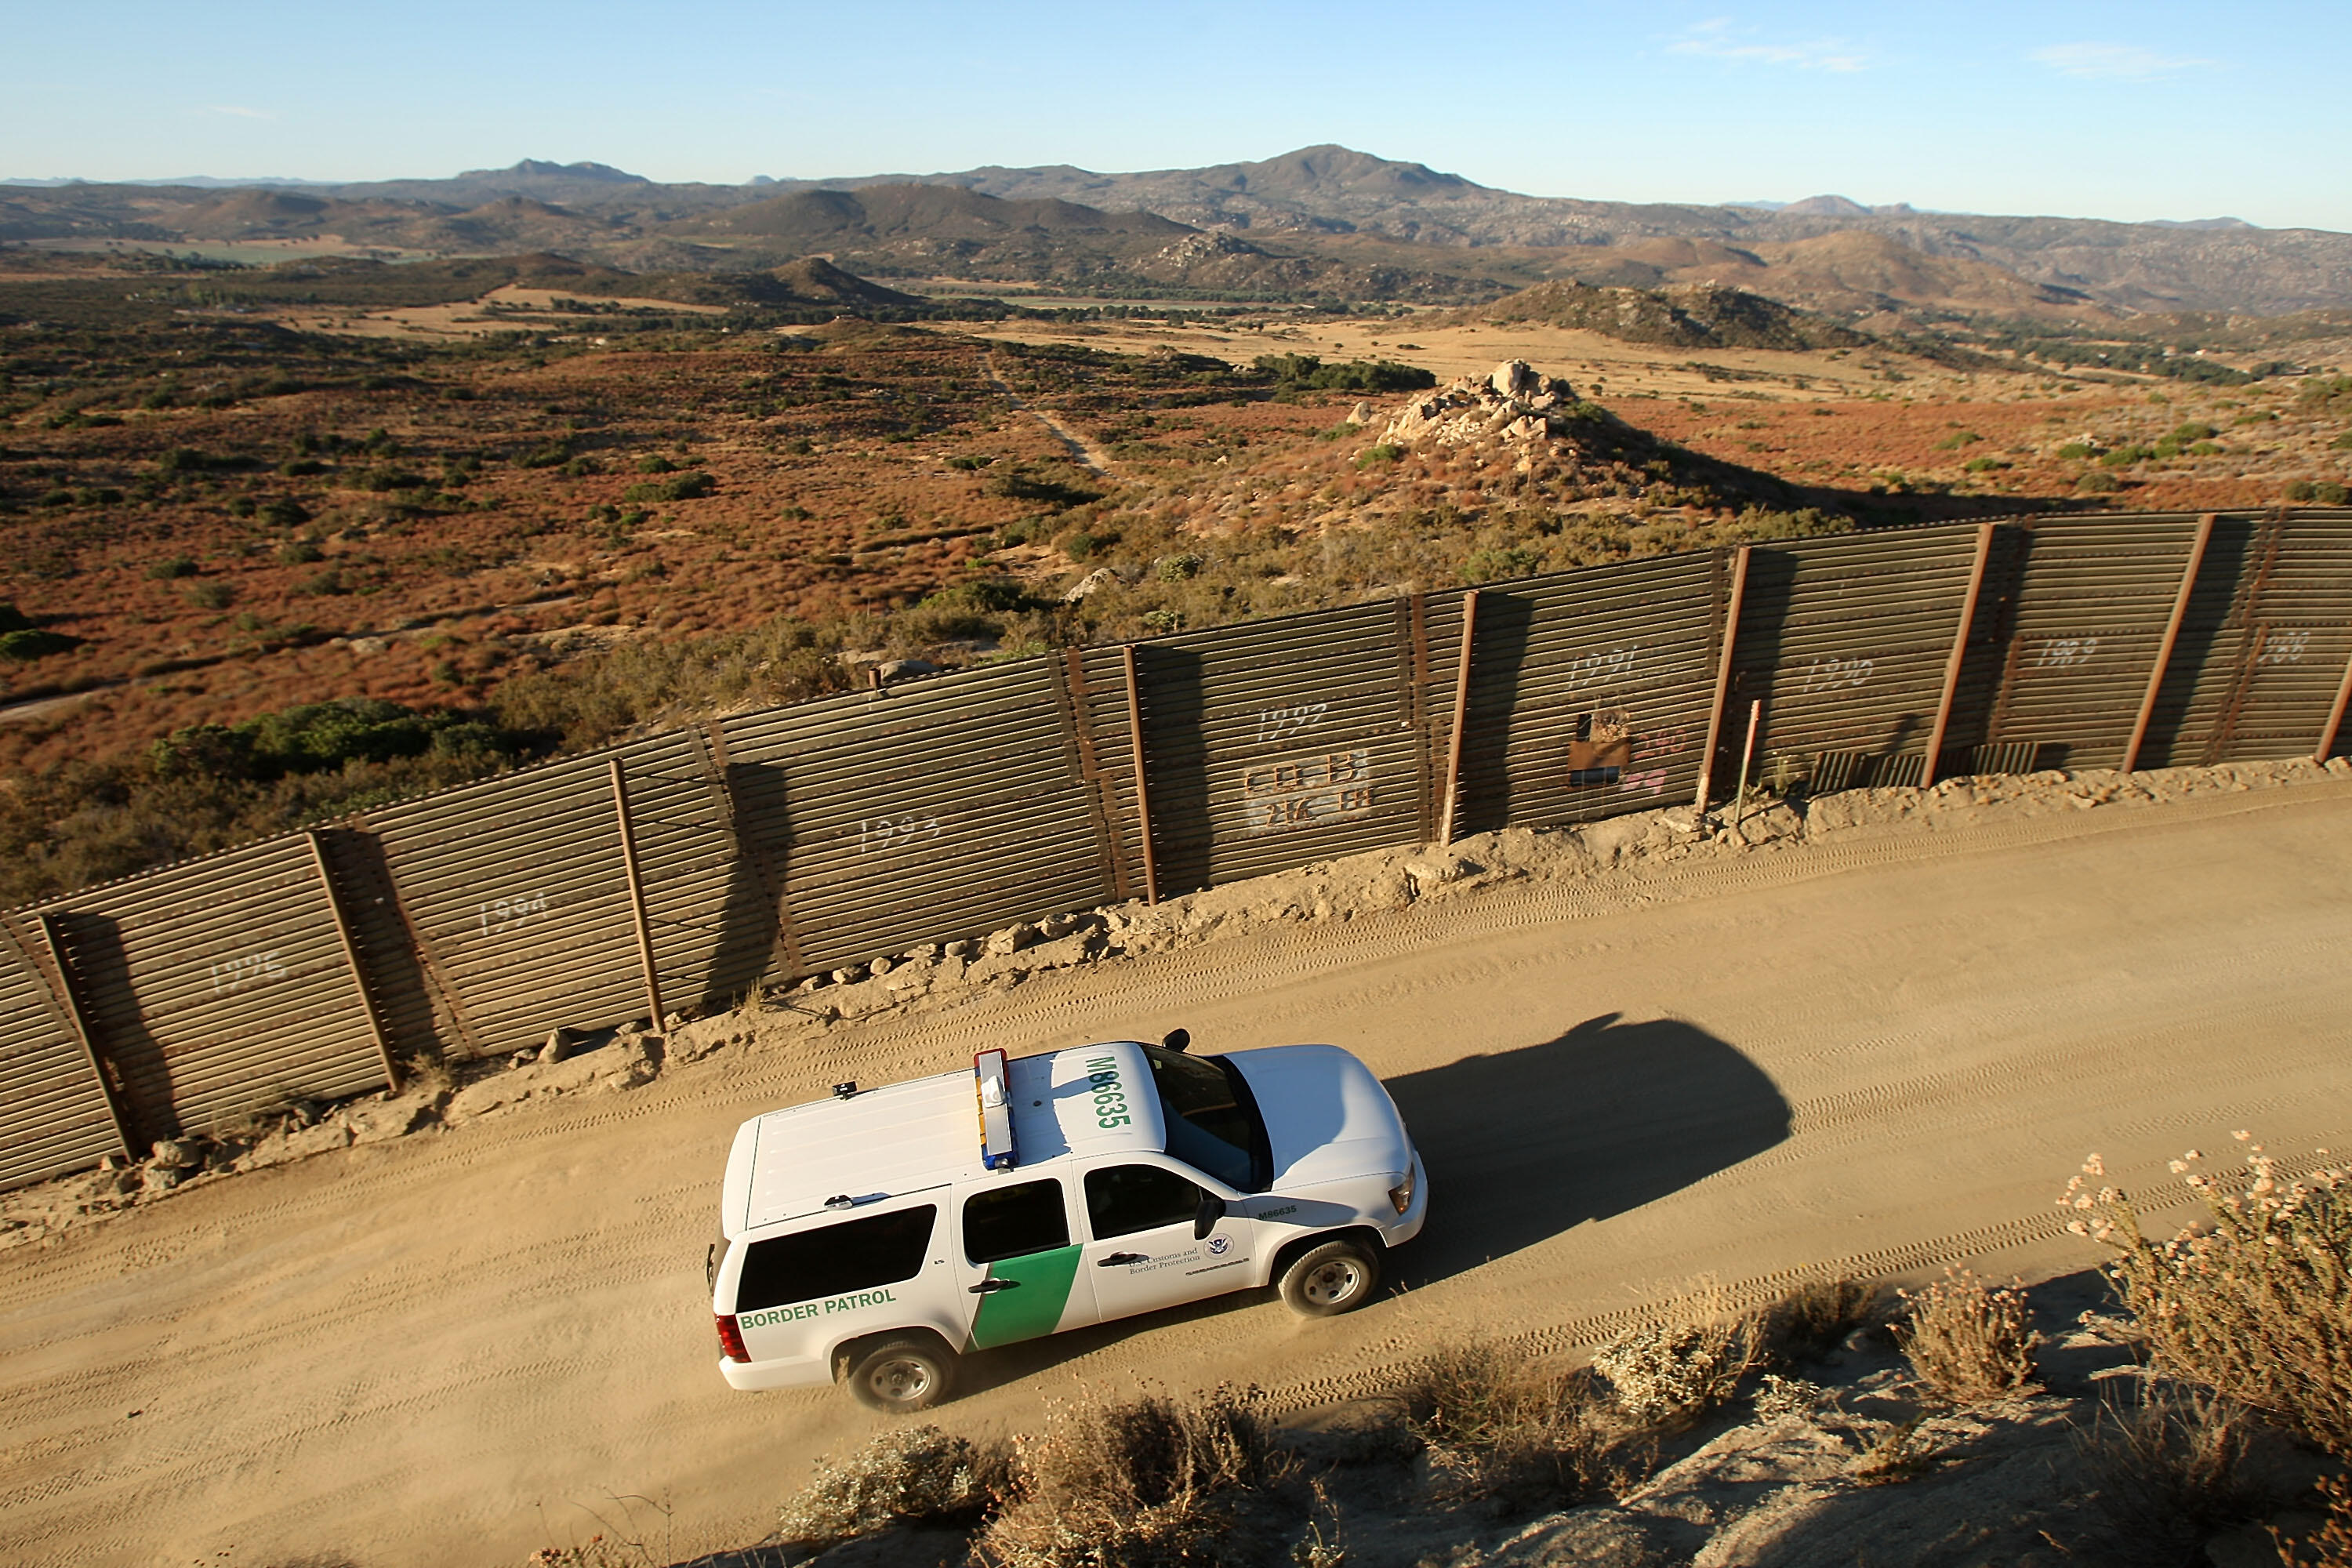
393,1352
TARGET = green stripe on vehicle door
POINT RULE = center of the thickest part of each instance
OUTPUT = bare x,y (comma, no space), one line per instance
1041,1289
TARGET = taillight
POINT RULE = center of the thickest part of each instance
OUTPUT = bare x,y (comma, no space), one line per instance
730,1337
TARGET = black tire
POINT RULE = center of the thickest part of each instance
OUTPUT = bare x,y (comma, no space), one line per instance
902,1375
1336,1277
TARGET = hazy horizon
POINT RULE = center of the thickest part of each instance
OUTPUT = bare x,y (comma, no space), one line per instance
2160,111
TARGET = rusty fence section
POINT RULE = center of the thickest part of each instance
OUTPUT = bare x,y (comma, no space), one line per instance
677,872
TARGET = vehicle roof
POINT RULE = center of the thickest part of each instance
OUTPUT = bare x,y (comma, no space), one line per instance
904,1138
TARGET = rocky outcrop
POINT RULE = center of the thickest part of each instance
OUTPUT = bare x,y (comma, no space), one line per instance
1514,404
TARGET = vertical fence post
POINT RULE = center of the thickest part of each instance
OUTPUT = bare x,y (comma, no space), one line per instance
2171,636
351,957
2335,717
129,1126
1747,759
47,972
1722,679
1461,718
1142,786
1960,656
636,892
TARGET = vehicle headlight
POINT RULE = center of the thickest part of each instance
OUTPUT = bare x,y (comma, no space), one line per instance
1401,1194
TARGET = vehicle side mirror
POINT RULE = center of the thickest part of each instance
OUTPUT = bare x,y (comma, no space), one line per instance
1205,1218
1177,1039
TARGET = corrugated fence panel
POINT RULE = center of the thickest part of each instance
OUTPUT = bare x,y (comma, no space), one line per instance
2085,619
2213,651
1278,742
54,1117
2296,641
1588,692
1846,641
1098,692
220,988
516,893
943,808
712,921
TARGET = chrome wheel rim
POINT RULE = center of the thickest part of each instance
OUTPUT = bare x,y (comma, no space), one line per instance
1328,1284
900,1380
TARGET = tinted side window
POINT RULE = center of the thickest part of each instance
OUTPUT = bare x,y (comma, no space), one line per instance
1008,1222
1123,1199
855,1254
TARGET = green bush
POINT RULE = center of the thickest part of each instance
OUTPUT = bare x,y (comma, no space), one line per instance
213,594
1983,465
2099,484
387,479
13,619
171,568
657,464
1031,484
1307,372
1080,544
1371,456
553,454
299,553
983,595
689,486
2329,394
1953,443
2076,451
27,644
320,737
285,512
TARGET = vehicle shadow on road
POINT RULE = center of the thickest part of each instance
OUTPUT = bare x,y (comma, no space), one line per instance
1523,1145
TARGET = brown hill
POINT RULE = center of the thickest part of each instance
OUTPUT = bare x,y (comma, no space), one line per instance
1685,316
934,213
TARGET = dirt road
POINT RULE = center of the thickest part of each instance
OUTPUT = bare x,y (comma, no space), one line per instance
1877,1054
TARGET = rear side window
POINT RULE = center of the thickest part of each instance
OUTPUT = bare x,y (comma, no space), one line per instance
855,1254
1012,1222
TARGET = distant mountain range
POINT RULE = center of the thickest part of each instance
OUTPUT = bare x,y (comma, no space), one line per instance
1326,221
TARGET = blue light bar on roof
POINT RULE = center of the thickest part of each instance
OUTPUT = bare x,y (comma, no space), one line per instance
992,1077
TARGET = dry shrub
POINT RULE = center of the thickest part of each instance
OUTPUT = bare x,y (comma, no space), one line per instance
1498,1425
1148,1481
914,1475
1777,1398
2331,1545
1676,1372
1815,1318
2168,1470
1968,1343
2256,1302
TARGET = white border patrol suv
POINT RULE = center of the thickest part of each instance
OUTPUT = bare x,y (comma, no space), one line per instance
873,1238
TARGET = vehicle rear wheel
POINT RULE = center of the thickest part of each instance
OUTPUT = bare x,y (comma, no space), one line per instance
902,1375
1336,1277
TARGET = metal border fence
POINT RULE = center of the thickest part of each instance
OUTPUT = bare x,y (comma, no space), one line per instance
681,870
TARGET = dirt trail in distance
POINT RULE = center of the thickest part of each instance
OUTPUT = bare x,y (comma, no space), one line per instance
1083,452
1874,1054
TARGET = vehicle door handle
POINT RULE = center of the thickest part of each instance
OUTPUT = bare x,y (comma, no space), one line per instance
1117,1258
987,1286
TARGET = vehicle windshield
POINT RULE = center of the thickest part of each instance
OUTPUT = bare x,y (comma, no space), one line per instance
1213,1125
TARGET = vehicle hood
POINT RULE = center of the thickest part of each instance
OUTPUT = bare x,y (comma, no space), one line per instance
1327,1117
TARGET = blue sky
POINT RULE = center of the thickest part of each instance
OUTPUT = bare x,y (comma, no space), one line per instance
2140,111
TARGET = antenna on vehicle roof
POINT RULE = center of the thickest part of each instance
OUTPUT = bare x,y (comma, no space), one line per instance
1177,1039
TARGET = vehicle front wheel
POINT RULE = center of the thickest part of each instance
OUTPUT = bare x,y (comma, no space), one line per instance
1336,1277
902,1375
